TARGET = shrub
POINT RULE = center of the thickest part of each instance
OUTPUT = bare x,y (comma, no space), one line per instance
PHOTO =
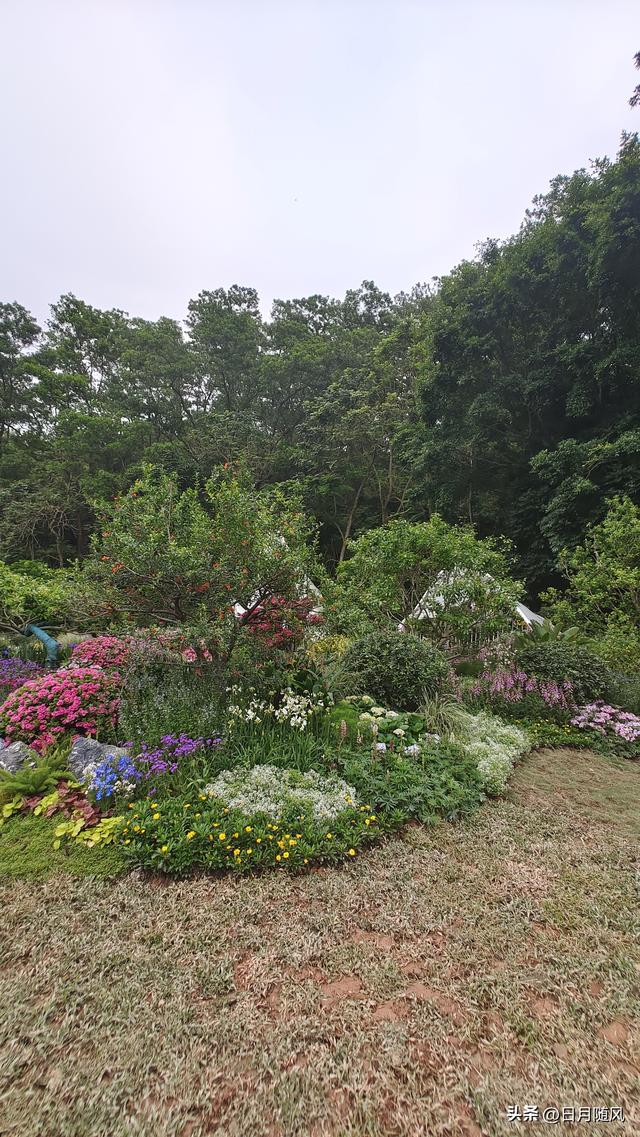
511,693
76,700
558,660
397,669
108,652
14,672
279,623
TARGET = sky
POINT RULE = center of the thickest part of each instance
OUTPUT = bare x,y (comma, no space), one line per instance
156,148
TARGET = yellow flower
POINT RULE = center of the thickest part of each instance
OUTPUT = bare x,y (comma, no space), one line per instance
236,834
298,836
187,805
236,852
197,815
249,850
156,817
352,852
222,836
281,844
328,836
191,835
164,849
136,829
285,855
202,797
258,840
278,857
130,805
292,842
306,861
247,828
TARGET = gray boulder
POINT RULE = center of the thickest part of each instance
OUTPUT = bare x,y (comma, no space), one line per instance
87,752
14,756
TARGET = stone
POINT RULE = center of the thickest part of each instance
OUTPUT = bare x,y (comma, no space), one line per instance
15,755
88,751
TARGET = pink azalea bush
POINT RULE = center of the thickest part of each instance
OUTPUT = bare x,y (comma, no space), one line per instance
110,652
73,700
607,720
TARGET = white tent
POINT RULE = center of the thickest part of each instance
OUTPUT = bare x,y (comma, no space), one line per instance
432,598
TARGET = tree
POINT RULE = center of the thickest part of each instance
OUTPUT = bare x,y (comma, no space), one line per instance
459,584
171,558
18,331
634,101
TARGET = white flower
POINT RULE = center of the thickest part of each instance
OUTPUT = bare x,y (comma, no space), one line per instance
381,746
270,790
400,733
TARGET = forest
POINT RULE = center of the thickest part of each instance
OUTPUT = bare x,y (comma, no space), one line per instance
505,395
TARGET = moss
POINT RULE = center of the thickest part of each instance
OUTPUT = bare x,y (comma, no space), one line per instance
26,850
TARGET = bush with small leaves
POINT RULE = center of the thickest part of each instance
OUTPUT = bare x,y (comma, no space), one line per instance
396,668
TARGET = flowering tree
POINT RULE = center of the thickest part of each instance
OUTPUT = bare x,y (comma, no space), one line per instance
171,559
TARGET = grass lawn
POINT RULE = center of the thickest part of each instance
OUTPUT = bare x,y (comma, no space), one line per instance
421,989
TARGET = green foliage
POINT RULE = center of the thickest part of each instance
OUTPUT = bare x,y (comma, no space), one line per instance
397,669
440,781
458,583
79,829
443,716
172,698
44,774
543,732
169,558
202,833
26,850
29,597
560,659
603,573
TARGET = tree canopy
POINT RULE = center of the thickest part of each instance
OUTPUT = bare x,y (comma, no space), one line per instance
506,396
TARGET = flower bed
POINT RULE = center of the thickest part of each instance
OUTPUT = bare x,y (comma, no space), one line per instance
74,700
14,672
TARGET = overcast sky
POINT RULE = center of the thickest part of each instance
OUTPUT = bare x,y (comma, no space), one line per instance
154,148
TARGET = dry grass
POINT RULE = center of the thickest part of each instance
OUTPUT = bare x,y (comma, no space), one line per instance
420,990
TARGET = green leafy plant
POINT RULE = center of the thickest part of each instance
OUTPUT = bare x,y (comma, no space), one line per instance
179,836
37,777
459,584
397,669
559,660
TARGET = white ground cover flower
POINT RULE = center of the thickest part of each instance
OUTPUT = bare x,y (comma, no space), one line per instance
270,790
494,745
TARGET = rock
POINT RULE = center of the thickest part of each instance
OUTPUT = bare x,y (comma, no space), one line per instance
88,751
14,756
